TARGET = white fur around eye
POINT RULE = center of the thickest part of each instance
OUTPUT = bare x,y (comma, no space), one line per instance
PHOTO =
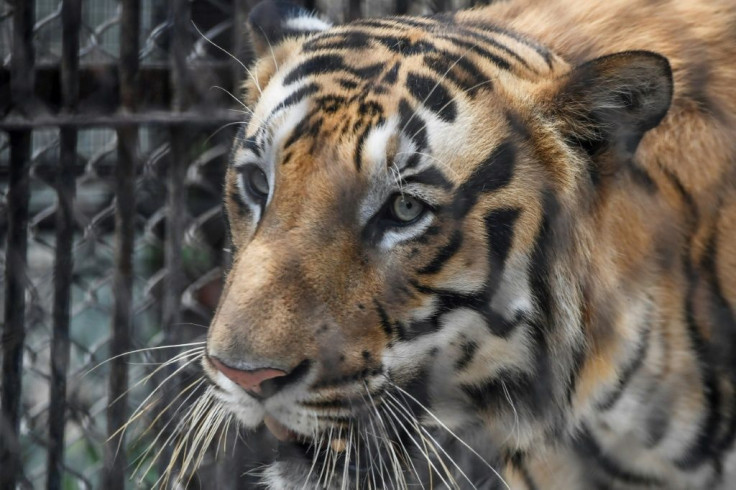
307,23
394,236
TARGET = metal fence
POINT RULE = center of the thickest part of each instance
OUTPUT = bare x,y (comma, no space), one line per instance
115,125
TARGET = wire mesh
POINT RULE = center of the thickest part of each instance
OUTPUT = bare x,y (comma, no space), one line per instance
179,146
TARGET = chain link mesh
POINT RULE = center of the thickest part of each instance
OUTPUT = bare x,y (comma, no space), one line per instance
92,293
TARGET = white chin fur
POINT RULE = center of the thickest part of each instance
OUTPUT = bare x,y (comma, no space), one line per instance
278,476
249,413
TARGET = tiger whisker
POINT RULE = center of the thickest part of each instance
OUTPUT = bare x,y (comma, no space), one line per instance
317,442
449,431
270,47
138,412
450,458
391,419
255,80
168,406
389,445
368,444
199,436
193,413
137,351
378,438
142,457
328,455
424,451
516,414
242,104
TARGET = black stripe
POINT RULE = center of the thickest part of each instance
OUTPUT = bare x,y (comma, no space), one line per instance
497,60
449,301
500,231
353,40
358,157
540,49
433,95
431,177
468,348
392,75
396,22
252,145
404,45
324,63
588,447
347,84
368,72
540,262
413,125
516,459
701,451
517,125
723,338
499,224
657,423
445,253
496,44
296,97
531,392
460,71
393,330
641,177
494,173
628,371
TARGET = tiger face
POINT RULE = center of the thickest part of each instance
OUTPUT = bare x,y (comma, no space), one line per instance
406,202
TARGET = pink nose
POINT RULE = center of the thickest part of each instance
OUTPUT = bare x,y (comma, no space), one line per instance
248,380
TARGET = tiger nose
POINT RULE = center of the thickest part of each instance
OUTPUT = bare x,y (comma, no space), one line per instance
249,380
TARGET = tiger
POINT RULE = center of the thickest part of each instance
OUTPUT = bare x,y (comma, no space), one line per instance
491,248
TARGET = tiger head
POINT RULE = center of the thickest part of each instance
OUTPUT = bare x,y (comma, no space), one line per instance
408,201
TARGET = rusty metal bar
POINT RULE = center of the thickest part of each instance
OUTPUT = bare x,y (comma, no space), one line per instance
71,16
113,474
13,333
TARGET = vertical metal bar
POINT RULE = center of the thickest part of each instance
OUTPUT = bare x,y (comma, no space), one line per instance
352,10
240,43
181,44
113,474
401,6
15,305
175,199
175,191
13,333
71,15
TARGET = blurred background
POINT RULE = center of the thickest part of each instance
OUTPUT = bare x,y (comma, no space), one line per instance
116,119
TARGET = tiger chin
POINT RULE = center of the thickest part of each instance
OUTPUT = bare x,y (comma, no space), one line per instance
491,248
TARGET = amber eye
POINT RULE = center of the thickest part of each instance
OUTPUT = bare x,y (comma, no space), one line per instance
254,182
406,209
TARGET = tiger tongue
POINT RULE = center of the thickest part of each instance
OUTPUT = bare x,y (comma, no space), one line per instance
279,431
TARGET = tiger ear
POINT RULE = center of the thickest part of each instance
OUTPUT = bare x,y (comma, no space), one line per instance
610,102
272,21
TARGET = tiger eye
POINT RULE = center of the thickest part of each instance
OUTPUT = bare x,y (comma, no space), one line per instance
406,208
